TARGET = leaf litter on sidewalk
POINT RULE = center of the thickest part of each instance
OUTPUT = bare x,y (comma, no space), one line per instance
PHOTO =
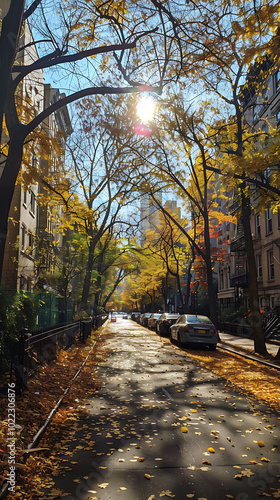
46,388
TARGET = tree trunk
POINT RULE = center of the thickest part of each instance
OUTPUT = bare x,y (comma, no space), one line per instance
209,273
97,297
7,185
180,292
88,275
11,27
189,275
256,318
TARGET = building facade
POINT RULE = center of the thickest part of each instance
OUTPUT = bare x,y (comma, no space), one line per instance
261,110
28,219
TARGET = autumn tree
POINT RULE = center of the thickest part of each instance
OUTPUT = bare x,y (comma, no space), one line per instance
228,47
145,287
219,43
168,243
68,263
108,32
115,260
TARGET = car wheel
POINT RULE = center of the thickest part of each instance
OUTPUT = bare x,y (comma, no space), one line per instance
179,340
212,347
171,338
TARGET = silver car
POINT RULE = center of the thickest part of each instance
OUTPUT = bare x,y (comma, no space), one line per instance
194,329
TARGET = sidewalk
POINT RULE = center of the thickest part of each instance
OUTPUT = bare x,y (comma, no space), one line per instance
246,343
163,426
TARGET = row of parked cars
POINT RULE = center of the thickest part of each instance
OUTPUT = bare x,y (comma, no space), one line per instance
184,329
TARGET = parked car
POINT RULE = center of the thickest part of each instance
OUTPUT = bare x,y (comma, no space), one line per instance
152,320
145,319
134,316
141,318
113,318
137,318
122,315
164,322
194,329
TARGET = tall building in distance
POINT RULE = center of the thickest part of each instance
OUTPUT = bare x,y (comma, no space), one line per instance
150,214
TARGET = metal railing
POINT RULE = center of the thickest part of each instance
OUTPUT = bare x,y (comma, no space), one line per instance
239,329
32,350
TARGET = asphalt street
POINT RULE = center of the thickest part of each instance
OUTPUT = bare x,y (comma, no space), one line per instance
161,426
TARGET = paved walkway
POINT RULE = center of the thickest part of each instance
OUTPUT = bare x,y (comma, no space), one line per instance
246,343
161,426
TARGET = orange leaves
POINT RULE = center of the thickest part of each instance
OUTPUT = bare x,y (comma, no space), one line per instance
246,375
184,429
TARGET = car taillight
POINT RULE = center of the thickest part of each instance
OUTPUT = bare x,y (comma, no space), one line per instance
187,329
214,331
165,321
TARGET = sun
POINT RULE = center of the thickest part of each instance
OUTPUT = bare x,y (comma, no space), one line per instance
146,108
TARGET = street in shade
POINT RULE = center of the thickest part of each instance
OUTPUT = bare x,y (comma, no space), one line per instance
161,426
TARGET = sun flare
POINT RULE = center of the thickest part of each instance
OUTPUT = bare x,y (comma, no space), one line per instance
146,108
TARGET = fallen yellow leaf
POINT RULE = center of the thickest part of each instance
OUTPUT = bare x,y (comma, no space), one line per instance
261,444
166,493
184,429
265,459
211,450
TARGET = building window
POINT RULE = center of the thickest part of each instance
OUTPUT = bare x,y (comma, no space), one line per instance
278,118
272,303
268,219
25,198
259,267
258,226
270,265
265,94
256,111
30,240
277,80
23,231
32,202
22,283
222,279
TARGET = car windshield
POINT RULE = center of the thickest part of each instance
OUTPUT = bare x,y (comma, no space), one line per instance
157,315
199,319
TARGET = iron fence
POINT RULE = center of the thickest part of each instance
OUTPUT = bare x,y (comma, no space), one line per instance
32,350
239,329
